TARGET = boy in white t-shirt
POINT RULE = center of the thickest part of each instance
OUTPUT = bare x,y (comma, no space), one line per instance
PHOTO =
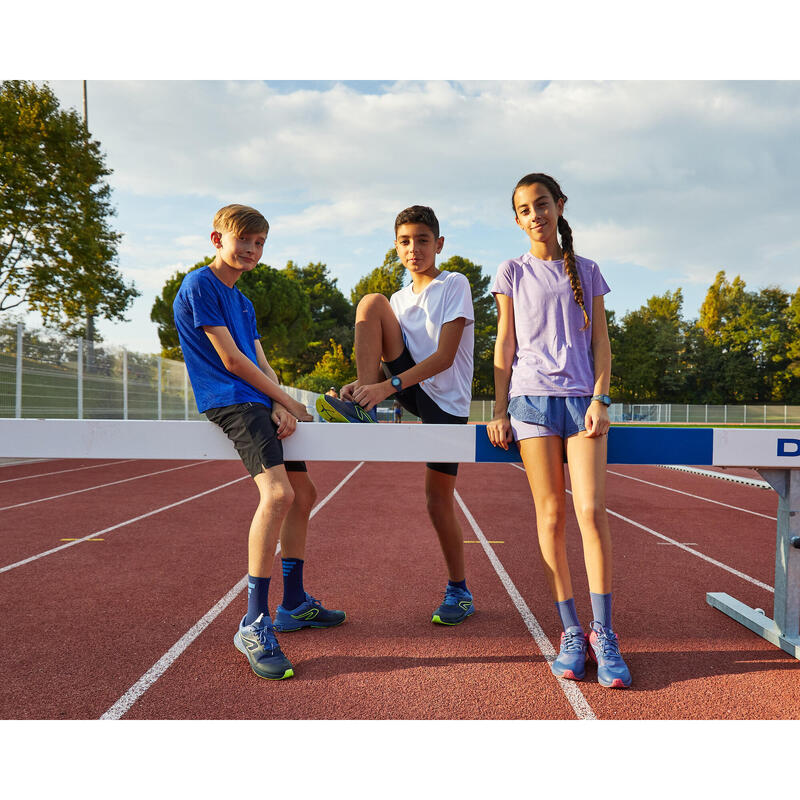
418,345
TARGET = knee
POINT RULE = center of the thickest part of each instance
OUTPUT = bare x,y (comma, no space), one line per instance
370,304
277,498
550,518
440,505
591,515
305,496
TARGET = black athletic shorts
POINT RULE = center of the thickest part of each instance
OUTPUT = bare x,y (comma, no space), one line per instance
415,400
254,435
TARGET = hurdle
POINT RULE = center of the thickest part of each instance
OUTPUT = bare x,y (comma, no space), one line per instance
774,453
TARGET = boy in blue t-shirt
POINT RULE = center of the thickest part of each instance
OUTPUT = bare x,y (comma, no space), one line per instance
238,390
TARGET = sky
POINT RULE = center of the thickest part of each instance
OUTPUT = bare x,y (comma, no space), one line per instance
670,177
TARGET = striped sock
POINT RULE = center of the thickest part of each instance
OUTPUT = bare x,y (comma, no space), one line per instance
601,608
569,616
293,592
257,596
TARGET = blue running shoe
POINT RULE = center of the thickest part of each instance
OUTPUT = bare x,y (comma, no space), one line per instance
457,606
257,641
571,661
612,671
332,409
309,614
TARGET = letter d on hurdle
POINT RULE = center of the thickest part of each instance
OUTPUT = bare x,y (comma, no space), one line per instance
785,444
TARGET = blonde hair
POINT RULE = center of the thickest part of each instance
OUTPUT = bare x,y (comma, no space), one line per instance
239,220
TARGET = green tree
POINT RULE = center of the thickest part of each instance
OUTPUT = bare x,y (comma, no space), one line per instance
333,369
385,279
485,323
57,250
282,311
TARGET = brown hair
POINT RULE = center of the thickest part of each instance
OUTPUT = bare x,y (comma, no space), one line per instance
570,264
239,220
422,215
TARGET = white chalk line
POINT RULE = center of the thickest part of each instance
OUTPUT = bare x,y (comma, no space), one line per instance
573,693
684,547
723,476
62,471
100,486
126,701
689,494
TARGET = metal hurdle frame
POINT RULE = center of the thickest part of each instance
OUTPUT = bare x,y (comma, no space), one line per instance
774,453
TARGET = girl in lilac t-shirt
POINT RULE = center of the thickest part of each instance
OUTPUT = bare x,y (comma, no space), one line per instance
552,364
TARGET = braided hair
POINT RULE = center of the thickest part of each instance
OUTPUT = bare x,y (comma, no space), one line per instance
564,230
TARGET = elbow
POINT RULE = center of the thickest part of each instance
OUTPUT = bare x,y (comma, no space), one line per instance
231,363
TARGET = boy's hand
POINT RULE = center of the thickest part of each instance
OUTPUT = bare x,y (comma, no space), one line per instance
285,421
596,420
370,395
499,432
346,392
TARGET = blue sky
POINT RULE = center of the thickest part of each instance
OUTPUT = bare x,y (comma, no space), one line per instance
668,181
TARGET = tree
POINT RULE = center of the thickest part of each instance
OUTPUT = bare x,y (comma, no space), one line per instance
333,369
57,250
386,279
282,311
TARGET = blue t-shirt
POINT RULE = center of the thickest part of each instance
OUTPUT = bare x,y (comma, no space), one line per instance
204,299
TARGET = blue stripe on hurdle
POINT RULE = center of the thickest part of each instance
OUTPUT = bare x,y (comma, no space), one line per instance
627,446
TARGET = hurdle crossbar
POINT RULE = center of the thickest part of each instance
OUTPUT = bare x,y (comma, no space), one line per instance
775,453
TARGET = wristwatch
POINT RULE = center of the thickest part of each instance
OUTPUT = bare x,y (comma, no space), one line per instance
603,398
397,384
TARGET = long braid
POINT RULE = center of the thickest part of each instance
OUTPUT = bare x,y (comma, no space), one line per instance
571,267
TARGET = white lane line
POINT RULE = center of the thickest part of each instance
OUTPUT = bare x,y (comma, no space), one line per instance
22,461
689,494
574,695
718,475
61,471
118,525
100,486
124,704
693,552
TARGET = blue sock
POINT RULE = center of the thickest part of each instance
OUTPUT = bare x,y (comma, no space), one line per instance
459,584
601,608
257,595
293,592
569,616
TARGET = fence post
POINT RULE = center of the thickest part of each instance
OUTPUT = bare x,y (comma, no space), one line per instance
725,417
185,393
18,400
79,366
687,412
124,383
745,413
784,415
765,413
706,412
159,387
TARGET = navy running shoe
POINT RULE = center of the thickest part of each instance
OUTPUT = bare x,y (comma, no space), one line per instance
257,641
571,661
332,409
309,614
457,606
612,671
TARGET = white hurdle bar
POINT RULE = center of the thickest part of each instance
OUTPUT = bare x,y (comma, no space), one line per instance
775,453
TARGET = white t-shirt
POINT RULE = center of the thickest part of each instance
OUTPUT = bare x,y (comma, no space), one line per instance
447,297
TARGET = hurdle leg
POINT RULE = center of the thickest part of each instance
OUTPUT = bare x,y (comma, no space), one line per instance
783,630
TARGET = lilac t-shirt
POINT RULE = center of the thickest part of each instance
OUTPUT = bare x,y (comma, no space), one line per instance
554,356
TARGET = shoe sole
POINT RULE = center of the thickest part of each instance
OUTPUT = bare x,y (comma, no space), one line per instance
289,673
439,621
616,683
308,625
329,414
569,675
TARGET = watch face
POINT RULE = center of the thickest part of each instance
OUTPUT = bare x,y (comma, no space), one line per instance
396,382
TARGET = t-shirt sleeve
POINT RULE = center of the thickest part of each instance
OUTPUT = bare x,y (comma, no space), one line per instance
205,305
599,285
458,300
502,280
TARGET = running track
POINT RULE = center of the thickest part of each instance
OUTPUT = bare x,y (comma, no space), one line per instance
121,585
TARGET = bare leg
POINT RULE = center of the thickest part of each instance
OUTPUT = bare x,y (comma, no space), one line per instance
439,489
295,524
587,471
276,498
544,466
377,336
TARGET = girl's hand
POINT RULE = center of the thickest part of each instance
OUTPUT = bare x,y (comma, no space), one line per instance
370,395
499,432
596,420
346,392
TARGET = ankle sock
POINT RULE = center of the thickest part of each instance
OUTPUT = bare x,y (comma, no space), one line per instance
293,592
458,584
569,616
601,608
257,597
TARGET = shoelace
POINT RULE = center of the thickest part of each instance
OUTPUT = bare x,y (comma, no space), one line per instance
608,642
573,642
266,637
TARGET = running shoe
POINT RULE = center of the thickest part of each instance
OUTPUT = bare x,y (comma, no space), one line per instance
332,409
571,661
457,606
612,671
257,641
309,614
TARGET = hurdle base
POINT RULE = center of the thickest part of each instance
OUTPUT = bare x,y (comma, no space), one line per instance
759,623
